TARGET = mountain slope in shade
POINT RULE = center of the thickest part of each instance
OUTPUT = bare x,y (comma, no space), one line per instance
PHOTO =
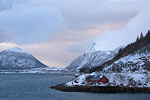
91,58
16,58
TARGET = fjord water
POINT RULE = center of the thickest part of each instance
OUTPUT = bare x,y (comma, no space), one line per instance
36,87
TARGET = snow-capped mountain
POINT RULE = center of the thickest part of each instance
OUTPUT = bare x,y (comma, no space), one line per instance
138,62
135,57
92,58
17,50
16,58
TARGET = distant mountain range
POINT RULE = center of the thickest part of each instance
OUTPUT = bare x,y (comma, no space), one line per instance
18,59
91,58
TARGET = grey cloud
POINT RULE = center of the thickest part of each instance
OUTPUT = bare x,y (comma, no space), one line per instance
32,21
29,24
37,20
113,39
84,13
110,40
6,4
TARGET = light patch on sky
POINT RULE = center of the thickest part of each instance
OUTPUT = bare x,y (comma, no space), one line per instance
57,31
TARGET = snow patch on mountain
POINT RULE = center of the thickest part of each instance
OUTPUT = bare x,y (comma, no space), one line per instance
138,63
17,50
16,58
92,58
92,48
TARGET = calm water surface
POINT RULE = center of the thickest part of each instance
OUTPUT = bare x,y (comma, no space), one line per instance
35,87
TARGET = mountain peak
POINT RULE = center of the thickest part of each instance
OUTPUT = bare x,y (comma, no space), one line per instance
92,48
17,50
17,59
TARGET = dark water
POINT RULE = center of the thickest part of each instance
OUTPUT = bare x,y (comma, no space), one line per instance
35,87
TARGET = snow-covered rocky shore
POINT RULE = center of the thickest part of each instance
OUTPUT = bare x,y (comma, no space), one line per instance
115,79
118,83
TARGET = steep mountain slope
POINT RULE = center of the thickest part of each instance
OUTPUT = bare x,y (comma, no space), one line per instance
132,58
138,62
16,58
92,58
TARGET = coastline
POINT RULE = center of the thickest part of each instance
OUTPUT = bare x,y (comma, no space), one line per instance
101,89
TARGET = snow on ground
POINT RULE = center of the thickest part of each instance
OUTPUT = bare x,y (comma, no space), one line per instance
129,78
116,79
36,70
79,80
131,62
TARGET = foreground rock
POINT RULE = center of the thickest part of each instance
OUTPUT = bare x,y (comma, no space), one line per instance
101,89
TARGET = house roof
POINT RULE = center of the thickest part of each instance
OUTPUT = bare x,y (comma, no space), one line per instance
95,78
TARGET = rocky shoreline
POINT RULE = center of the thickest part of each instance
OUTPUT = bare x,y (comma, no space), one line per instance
101,89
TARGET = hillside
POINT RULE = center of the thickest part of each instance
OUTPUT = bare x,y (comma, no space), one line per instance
138,62
91,58
135,55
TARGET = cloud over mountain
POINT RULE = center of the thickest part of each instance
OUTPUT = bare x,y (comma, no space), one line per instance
71,23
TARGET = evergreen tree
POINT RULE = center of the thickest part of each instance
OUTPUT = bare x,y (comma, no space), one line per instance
141,36
137,39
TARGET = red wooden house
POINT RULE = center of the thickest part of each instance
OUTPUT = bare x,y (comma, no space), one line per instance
125,54
97,79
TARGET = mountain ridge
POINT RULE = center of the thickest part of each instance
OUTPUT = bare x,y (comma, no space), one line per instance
16,58
140,46
91,58
17,50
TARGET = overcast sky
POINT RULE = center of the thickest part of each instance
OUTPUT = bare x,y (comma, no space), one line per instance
57,31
